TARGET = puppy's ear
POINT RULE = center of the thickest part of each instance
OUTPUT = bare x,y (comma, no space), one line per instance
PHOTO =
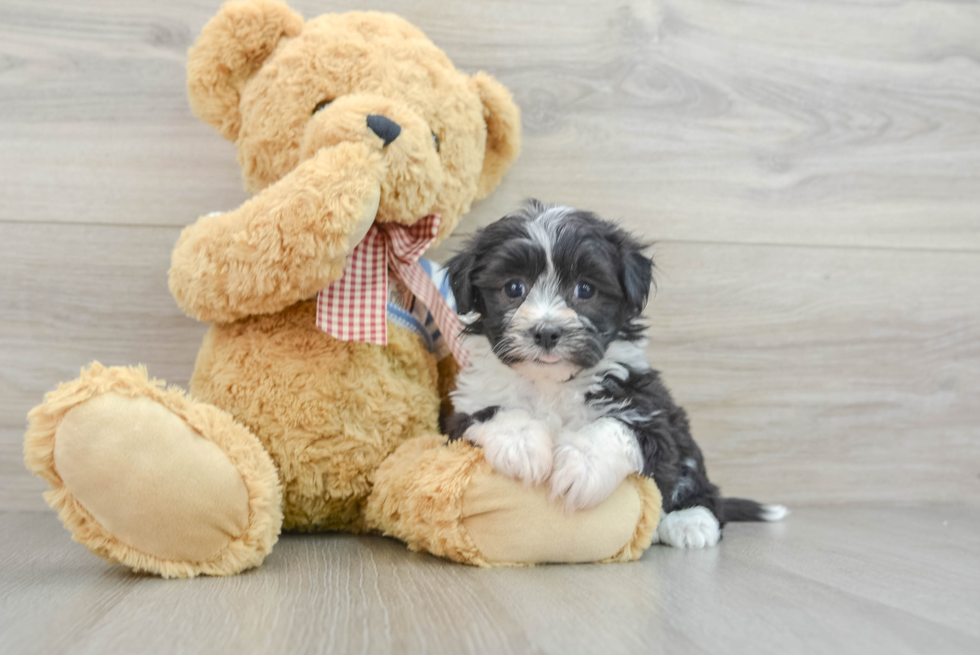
230,49
636,275
460,269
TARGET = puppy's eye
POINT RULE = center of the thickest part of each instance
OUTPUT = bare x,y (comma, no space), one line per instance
435,140
584,290
320,105
514,289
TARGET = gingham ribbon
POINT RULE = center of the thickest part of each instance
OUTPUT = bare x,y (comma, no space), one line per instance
354,308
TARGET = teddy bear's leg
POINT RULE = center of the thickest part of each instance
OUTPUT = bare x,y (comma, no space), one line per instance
328,412
445,499
147,477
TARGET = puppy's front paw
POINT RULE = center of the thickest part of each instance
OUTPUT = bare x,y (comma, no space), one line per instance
518,447
581,479
694,527
591,463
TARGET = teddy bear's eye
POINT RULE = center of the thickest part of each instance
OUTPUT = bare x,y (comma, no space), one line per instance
320,105
435,140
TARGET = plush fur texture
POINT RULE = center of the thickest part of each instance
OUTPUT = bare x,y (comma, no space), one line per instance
231,48
295,97
329,412
281,246
242,449
418,498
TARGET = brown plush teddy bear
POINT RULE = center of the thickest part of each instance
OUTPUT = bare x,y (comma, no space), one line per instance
347,126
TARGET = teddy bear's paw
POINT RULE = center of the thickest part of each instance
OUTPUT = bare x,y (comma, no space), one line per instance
145,476
694,527
516,445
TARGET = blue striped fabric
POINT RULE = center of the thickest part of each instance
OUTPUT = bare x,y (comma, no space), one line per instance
418,319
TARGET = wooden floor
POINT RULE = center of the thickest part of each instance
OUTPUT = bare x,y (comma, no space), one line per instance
860,579
809,171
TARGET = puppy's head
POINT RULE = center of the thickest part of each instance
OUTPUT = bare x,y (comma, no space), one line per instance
553,286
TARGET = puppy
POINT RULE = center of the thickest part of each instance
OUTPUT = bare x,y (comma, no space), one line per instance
559,390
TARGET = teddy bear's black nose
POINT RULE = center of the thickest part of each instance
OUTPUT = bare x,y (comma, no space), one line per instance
384,127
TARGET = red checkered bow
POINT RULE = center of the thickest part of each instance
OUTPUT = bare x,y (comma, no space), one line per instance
354,308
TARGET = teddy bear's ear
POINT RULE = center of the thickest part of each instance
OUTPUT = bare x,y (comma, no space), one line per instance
230,49
503,120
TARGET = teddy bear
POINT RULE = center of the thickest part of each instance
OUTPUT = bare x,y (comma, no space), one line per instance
351,129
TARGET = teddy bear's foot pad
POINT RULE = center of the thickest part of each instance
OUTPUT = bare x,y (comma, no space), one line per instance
149,479
447,500
136,480
512,523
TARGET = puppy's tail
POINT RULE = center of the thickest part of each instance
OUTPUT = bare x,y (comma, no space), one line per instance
742,509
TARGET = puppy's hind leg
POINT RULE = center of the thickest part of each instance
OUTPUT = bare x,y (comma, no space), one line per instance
694,527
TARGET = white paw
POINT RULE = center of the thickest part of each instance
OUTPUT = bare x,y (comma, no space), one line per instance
583,480
694,527
516,446
591,463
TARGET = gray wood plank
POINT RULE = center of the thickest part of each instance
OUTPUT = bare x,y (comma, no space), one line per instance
72,294
19,490
825,374
863,579
808,122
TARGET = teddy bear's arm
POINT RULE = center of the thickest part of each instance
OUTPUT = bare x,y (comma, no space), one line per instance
281,246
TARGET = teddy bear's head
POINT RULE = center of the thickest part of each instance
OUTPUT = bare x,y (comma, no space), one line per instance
282,88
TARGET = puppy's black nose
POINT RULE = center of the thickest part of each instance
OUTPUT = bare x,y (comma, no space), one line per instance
547,336
384,127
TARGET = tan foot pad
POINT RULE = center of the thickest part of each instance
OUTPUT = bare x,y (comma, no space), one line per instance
149,479
448,501
509,522
135,479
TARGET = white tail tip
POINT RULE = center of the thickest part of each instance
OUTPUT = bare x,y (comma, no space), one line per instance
774,512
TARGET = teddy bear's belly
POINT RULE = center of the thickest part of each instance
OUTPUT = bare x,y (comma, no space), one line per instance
329,412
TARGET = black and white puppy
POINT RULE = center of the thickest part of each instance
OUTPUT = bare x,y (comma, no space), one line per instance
559,390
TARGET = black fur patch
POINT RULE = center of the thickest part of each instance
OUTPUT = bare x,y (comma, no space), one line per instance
455,426
670,454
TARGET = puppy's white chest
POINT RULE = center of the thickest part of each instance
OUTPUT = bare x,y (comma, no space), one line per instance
490,383
561,405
